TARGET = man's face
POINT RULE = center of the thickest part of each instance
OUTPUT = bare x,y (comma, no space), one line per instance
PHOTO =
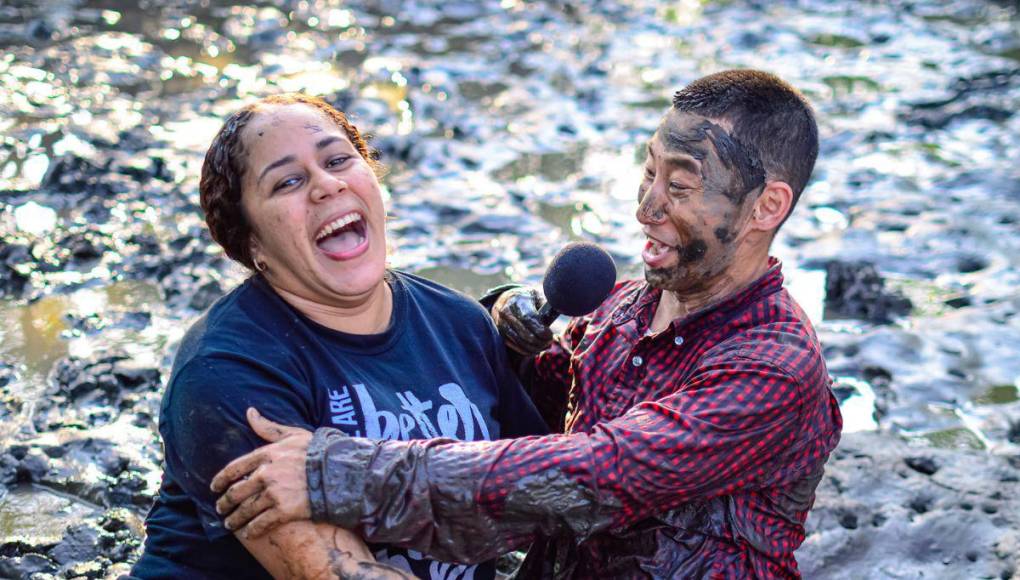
694,201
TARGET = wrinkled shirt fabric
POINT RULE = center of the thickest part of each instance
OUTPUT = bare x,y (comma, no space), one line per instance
693,452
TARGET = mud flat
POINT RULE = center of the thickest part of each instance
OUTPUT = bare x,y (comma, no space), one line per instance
510,128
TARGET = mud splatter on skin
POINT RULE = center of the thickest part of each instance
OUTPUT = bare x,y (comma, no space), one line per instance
746,168
725,235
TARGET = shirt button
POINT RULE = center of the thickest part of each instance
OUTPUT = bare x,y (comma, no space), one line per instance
678,340
637,361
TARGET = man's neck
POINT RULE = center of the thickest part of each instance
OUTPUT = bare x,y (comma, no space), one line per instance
368,314
676,305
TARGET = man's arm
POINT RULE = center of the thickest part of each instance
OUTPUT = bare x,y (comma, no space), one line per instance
736,425
303,549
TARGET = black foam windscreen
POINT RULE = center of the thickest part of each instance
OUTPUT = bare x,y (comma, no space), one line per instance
579,278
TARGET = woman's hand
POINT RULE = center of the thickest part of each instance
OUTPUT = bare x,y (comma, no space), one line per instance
266,487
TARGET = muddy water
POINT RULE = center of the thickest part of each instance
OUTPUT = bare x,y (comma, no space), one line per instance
509,128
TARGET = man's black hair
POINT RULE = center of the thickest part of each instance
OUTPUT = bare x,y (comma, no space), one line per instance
768,116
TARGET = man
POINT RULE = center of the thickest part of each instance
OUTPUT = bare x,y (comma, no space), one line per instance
698,414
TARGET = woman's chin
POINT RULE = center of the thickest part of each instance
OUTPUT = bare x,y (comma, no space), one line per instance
357,276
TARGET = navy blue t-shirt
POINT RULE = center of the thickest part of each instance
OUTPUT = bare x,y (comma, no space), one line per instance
439,370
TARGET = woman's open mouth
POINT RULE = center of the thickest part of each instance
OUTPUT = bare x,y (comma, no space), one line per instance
343,238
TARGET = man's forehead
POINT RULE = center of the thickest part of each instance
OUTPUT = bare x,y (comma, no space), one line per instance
685,135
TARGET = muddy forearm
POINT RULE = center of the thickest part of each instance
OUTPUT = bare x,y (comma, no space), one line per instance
424,495
303,550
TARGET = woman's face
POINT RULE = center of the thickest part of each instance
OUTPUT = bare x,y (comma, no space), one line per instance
314,205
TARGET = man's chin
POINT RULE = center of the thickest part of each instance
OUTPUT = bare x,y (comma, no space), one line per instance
661,278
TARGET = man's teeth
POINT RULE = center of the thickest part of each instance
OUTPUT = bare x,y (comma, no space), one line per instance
656,248
335,225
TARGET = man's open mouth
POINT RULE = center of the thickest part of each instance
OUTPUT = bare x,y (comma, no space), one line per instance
656,248
342,235
656,254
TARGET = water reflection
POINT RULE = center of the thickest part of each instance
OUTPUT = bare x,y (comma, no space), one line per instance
39,516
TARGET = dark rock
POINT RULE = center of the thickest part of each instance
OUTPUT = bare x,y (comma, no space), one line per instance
205,295
969,264
73,174
925,465
856,290
1014,432
93,391
83,542
40,31
959,302
8,469
23,567
12,278
33,467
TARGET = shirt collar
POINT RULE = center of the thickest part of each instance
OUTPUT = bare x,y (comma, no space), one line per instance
642,302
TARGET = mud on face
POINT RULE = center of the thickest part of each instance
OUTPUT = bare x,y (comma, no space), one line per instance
695,198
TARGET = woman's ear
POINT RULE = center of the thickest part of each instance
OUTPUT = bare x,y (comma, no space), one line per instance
772,206
256,256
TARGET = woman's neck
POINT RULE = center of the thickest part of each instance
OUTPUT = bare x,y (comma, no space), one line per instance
366,314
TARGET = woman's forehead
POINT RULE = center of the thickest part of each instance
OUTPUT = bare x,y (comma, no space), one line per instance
290,115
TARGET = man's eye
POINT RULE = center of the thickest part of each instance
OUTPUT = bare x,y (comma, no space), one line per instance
649,174
677,187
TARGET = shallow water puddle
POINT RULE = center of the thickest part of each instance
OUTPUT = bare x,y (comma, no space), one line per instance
35,335
39,515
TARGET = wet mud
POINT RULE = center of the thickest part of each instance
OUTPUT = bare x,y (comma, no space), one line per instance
510,128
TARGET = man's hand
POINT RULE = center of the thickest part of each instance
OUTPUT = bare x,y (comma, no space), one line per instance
266,487
515,314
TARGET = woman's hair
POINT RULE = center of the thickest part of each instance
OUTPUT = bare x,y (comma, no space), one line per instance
226,162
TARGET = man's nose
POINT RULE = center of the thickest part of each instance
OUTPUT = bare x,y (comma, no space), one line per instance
651,208
325,185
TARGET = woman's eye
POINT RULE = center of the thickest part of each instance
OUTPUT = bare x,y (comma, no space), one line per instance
337,161
286,183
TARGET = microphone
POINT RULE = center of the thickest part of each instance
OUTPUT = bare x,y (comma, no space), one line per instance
579,278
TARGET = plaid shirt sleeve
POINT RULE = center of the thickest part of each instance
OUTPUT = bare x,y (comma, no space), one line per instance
730,426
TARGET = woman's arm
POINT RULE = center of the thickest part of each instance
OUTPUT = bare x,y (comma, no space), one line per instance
300,550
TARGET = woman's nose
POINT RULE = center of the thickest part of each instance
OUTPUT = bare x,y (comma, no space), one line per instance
326,185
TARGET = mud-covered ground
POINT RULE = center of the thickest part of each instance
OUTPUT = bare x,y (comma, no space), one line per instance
509,128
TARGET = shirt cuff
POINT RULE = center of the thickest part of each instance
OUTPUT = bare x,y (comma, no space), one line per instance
314,462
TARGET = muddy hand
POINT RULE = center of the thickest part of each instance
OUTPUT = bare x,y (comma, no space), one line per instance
266,487
515,314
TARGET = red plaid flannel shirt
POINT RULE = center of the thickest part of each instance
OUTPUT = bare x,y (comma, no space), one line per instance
711,435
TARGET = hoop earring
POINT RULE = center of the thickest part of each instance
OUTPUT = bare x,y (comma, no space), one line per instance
260,266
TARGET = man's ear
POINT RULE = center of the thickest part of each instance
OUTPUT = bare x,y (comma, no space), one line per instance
772,206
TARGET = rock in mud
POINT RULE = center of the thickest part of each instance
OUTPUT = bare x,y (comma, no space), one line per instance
856,290
86,550
15,258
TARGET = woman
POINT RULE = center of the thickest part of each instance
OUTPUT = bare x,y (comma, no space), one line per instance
321,335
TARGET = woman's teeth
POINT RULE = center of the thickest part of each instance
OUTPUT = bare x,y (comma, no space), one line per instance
337,224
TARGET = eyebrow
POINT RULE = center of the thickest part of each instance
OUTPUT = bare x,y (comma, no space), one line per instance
279,162
326,142
681,160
